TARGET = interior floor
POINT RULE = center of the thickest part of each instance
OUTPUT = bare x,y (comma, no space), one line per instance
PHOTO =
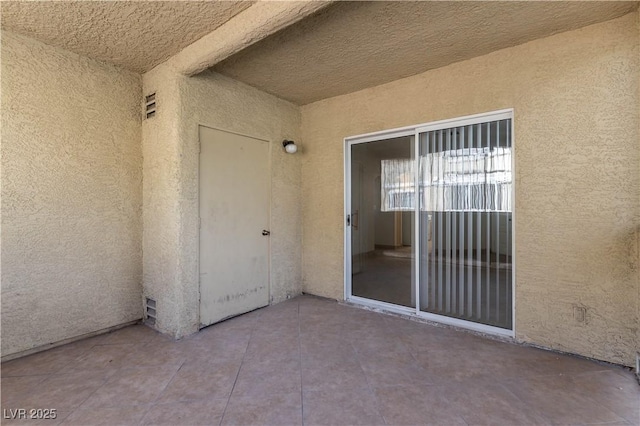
386,275
478,257
315,361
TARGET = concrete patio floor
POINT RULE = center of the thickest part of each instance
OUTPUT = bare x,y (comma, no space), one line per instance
314,361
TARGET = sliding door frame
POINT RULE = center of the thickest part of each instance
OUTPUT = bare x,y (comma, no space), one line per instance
348,143
416,131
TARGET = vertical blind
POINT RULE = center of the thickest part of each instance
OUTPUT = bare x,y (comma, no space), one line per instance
471,179
462,178
465,179
465,186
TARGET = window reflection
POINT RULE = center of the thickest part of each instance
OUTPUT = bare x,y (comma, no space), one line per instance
470,179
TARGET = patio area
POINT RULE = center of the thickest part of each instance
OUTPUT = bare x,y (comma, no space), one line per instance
314,361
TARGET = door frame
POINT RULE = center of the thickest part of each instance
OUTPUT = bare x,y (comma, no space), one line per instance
269,212
415,131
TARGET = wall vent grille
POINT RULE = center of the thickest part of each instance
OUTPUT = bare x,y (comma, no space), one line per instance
150,105
150,311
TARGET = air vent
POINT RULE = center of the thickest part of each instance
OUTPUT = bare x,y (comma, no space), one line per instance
150,105
150,311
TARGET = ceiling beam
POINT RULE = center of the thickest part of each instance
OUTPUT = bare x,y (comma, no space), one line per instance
246,28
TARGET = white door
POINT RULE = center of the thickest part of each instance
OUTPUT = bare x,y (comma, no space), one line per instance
234,218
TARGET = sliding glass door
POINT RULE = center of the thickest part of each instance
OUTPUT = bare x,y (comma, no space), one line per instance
382,221
465,182
429,221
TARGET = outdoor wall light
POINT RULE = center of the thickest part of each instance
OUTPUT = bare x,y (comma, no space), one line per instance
290,146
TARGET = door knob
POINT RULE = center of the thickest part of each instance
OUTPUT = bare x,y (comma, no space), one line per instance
265,232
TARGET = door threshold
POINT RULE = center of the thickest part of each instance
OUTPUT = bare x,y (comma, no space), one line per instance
378,305
431,319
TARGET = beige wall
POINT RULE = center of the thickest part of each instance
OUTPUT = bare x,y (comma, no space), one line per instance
638,229
576,105
71,195
170,146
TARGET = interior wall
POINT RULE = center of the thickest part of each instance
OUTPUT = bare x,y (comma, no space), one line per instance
407,229
575,97
369,199
170,146
370,193
386,229
71,195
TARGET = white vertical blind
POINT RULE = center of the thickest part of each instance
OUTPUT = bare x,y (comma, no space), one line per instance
471,179
465,186
455,179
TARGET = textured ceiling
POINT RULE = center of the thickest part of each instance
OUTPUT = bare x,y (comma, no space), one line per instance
355,45
137,35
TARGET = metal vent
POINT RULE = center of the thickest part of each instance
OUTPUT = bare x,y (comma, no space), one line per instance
150,105
150,311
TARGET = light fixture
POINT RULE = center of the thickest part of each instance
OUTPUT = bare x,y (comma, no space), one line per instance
290,146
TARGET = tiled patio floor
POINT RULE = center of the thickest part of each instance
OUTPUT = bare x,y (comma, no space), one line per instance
314,361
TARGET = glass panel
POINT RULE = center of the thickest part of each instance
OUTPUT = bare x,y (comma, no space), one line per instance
465,180
382,215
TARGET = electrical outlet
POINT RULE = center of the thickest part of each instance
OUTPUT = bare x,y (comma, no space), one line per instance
580,313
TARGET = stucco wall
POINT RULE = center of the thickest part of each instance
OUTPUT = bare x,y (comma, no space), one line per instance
170,146
71,195
577,152
638,227
161,214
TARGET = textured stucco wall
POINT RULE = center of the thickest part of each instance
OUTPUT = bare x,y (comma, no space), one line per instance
638,224
162,214
170,146
576,105
71,195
